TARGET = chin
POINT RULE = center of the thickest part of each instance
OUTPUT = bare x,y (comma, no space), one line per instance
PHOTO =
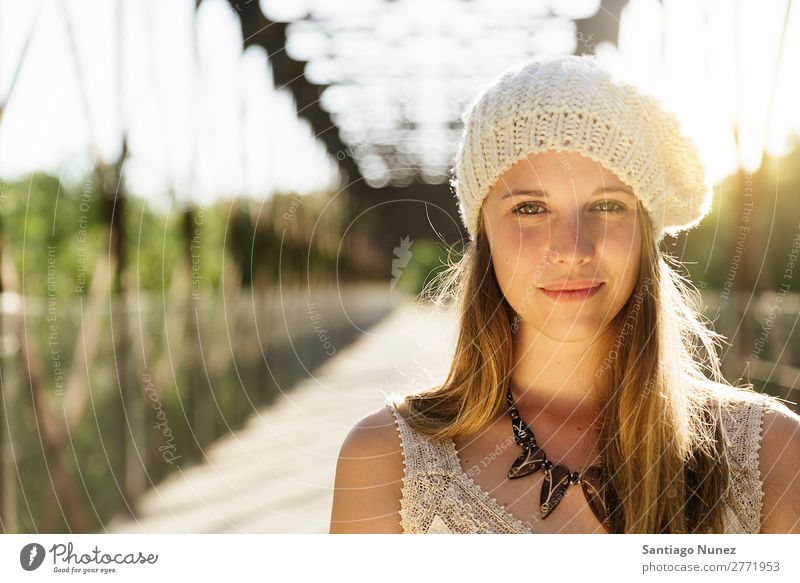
568,331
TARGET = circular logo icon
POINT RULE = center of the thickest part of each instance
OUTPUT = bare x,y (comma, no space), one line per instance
31,556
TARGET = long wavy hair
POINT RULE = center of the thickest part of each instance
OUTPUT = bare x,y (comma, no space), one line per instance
659,389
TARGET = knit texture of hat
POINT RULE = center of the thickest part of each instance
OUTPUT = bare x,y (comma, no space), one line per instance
570,103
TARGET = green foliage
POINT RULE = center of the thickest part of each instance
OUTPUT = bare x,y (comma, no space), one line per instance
428,258
48,226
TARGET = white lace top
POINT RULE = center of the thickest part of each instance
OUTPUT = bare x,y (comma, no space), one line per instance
438,496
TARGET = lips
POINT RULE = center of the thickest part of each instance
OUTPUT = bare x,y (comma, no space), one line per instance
572,286
564,295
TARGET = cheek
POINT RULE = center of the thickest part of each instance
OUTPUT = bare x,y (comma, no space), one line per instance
623,248
621,255
516,254
514,242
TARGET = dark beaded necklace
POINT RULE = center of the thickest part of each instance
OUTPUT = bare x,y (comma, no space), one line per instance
557,478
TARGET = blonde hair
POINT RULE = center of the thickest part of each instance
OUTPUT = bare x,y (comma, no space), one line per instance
665,461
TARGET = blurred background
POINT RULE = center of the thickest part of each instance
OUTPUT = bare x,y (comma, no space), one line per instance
215,215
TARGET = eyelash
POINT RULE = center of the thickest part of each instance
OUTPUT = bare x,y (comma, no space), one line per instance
516,209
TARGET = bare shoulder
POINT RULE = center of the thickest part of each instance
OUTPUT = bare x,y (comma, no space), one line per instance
369,475
779,464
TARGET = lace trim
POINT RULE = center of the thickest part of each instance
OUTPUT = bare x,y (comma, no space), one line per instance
743,422
402,432
753,463
488,500
435,486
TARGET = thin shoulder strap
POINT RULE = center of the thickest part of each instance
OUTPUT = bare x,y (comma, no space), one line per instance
421,453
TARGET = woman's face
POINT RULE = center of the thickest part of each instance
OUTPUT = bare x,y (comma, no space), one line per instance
556,220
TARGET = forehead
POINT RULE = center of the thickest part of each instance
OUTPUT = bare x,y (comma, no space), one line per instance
550,169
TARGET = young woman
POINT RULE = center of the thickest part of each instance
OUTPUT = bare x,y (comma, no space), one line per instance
585,394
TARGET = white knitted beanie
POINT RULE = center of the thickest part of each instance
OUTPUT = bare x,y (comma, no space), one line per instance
570,103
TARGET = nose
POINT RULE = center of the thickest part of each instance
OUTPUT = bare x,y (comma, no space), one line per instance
569,242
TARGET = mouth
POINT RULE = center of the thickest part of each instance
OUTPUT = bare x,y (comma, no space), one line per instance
572,294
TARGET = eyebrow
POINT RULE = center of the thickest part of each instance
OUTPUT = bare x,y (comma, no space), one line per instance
544,194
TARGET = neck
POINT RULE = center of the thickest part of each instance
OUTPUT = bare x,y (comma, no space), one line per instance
554,378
